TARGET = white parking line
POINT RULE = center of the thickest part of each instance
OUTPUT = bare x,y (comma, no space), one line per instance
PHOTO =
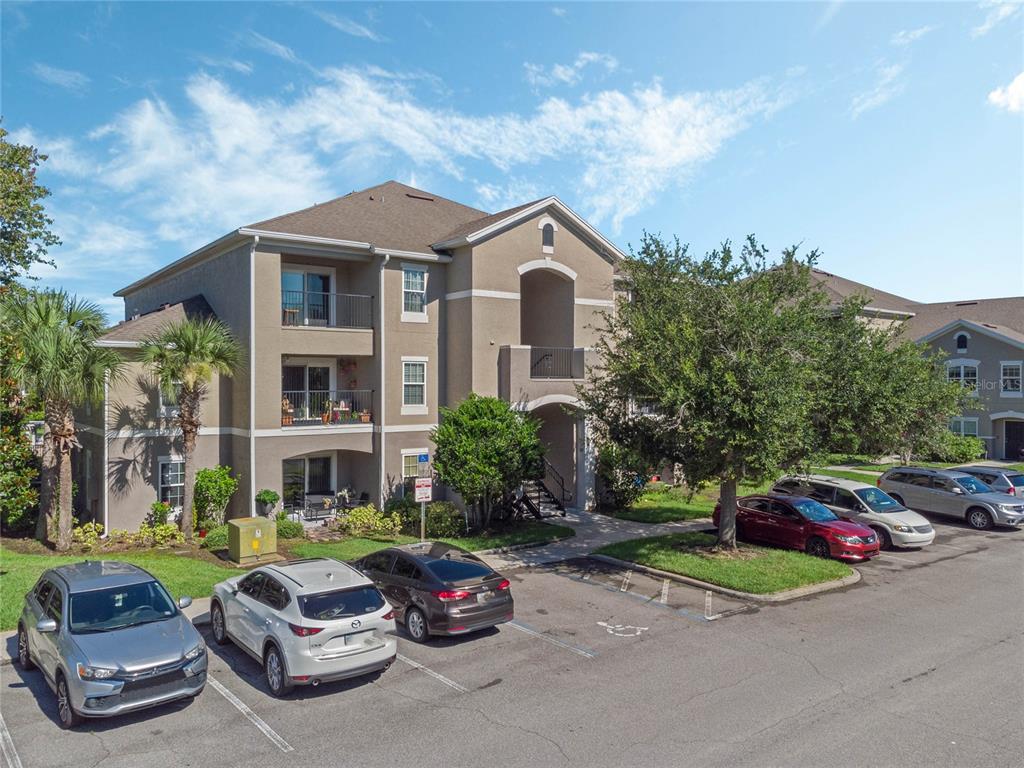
251,716
7,746
897,557
664,591
585,653
940,544
432,673
625,581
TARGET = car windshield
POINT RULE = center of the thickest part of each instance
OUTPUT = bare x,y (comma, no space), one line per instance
458,570
1017,481
813,511
878,500
973,485
344,603
104,610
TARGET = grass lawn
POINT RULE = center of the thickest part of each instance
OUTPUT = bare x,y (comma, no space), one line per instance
860,477
664,504
759,570
181,574
524,532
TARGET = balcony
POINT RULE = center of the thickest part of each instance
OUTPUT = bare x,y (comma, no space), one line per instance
527,374
327,408
326,310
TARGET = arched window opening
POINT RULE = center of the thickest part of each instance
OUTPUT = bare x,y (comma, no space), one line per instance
548,236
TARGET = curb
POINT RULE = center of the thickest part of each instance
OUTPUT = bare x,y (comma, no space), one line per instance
774,597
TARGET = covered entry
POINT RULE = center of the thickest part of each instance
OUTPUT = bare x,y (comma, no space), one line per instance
1008,429
569,455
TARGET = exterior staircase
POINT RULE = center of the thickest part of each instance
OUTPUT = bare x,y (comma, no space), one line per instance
540,501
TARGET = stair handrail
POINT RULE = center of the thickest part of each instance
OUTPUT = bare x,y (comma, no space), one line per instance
564,497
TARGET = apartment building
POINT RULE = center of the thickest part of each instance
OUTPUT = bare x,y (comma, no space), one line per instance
361,317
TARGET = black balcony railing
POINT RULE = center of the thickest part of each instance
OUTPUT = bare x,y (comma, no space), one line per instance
556,363
329,407
326,310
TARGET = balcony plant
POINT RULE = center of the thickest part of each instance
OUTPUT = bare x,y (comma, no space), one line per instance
364,416
287,412
266,500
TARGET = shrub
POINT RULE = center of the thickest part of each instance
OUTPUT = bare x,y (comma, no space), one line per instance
87,535
216,538
267,496
623,474
213,490
158,512
956,448
369,521
443,519
287,529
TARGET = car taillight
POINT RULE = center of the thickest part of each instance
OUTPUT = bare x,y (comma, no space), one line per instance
304,631
388,616
505,584
450,595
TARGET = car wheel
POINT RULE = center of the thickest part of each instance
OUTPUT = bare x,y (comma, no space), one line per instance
416,625
24,657
277,678
220,630
818,547
884,539
65,712
898,499
979,519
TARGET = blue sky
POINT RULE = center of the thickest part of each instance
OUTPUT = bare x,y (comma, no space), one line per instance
890,136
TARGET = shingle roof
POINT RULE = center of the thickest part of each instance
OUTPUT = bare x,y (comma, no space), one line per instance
477,224
138,328
389,215
1004,316
839,288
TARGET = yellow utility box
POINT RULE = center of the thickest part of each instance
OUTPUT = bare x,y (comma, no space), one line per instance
251,538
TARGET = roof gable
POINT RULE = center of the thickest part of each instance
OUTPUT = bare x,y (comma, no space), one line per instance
129,333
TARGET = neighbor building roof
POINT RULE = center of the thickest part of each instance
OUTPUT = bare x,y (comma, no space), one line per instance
390,215
128,333
1003,316
840,289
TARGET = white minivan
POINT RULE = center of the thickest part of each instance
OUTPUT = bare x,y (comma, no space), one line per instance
863,503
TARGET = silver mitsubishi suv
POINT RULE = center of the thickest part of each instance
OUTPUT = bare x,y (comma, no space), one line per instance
954,493
109,639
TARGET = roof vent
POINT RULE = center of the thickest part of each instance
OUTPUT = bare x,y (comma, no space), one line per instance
967,304
419,197
989,325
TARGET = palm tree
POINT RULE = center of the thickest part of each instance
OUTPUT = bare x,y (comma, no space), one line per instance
58,361
185,356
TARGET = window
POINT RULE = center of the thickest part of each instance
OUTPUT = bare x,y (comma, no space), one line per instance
943,484
414,386
410,470
846,500
964,426
319,474
43,593
274,595
548,236
964,374
1010,378
172,482
252,584
414,293
405,569
379,561
961,342
169,400
822,493
55,608
327,606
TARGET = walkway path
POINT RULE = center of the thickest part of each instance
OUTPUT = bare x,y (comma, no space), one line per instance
592,532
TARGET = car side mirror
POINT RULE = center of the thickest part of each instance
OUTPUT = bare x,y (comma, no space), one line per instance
46,626
958,490
184,601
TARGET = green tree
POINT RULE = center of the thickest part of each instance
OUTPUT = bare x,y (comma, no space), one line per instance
62,367
214,488
25,232
485,450
185,356
717,364
623,473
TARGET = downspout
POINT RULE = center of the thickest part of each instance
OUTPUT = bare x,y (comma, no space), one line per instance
382,378
252,376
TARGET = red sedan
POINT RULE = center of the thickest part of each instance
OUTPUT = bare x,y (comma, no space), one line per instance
796,522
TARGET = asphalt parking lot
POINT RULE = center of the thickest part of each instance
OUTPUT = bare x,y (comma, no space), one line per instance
918,664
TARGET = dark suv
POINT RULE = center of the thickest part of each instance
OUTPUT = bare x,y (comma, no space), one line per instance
439,589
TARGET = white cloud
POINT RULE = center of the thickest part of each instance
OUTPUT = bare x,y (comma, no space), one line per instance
68,79
905,37
827,14
1009,97
568,74
347,26
272,47
242,67
559,11
887,85
225,160
62,155
997,11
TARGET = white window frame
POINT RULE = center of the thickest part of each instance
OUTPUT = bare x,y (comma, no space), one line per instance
956,343
415,317
1003,392
958,365
161,460
167,410
956,425
406,453
415,409
332,284
544,221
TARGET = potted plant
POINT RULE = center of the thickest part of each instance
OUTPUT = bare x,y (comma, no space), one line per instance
326,415
267,499
364,416
287,412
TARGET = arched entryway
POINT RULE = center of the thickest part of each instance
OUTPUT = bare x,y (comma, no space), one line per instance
546,307
1008,437
569,454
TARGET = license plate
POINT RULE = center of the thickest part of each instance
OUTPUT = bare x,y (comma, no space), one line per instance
483,597
357,638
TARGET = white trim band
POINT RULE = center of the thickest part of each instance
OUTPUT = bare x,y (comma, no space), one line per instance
482,293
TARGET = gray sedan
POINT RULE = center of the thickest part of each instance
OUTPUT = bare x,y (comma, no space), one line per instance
109,639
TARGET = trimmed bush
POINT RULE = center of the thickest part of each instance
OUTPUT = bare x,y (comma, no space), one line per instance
956,448
443,520
216,538
288,529
213,490
369,521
